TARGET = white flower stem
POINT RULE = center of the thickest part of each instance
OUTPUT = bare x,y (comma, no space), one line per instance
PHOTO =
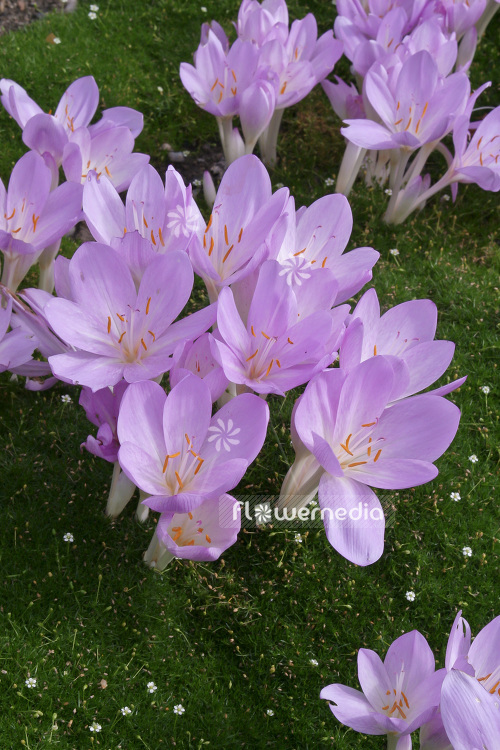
301,482
120,492
157,555
351,163
268,141
142,511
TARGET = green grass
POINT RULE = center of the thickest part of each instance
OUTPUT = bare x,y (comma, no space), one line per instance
235,638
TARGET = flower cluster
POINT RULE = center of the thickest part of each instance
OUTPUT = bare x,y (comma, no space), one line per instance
268,68
36,213
455,708
412,60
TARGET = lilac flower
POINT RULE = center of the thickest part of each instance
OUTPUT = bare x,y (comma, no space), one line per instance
420,107
75,109
101,408
155,220
399,694
316,239
203,534
16,346
277,350
32,217
479,160
109,152
120,332
174,450
197,358
471,716
241,225
404,333
358,443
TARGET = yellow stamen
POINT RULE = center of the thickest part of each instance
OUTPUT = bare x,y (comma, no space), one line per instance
357,463
269,368
121,317
253,332
35,221
240,234
377,455
109,324
211,246
153,238
9,217
179,480
289,341
225,234
265,335
160,235
199,465
107,171
283,88
145,222
227,254
147,305
300,252
208,539
215,84
144,345
152,334
346,446
121,337
252,356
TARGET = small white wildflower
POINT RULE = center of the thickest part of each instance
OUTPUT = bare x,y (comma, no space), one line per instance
485,389
410,595
313,662
445,198
388,191
394,251
279,185
160,89
66,399
68,537
186,154
466,551
298,538
270,712
95,727
94,8
473,459
203,9
126,711
151,687
56,40
30,682
196,183
179,709
455,496
92,15
329,182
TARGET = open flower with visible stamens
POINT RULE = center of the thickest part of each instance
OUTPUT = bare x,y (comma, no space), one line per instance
399,694
32,217
119,332
174,450
357,442
240,229
405,333
203,534
479,160
155,220
316,238
419,107
279,348
108,152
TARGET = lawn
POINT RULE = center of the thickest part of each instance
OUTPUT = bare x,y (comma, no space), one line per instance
234,640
